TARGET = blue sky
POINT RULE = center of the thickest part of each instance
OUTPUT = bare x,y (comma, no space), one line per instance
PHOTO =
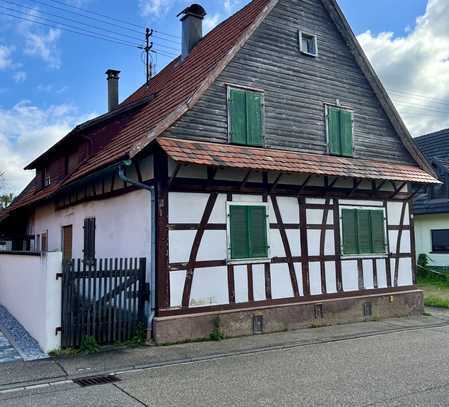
51,79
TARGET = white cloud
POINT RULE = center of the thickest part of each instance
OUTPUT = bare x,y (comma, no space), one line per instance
155,7
26,131
19,76
41,42
414,68
211,21
6,57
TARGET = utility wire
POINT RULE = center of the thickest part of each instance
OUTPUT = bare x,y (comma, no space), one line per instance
102,21
84,33
94,13
71,27
67,19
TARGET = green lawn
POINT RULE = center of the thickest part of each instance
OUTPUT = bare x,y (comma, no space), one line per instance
436,291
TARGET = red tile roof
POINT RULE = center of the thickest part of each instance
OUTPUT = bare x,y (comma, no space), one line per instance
262,159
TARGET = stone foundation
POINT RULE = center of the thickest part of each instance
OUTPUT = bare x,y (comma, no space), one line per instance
278,318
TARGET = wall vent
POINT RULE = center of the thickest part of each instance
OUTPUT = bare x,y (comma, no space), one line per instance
318,311
96,380
257,324
367,309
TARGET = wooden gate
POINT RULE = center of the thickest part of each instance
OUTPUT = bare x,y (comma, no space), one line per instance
104,299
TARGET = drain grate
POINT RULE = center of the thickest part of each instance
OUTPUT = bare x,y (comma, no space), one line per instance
96,381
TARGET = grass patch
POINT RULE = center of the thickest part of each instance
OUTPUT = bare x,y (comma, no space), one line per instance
434,283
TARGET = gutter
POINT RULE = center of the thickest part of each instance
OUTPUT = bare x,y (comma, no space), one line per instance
150,188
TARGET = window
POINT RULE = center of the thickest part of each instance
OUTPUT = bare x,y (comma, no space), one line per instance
89,240
46,179
245,117
440,241
247,231
308,44
363,231
44,242
67,242
339,131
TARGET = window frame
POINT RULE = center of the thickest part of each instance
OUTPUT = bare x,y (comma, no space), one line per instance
89,258
431,241
229,258
364,255
301,47
229,88
326,121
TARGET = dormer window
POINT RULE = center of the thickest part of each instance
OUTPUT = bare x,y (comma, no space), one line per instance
245,116
308,44
46,179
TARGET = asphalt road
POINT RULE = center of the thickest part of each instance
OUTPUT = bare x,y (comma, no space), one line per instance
395,369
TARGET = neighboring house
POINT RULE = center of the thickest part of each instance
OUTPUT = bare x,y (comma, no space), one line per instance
279,172
431,205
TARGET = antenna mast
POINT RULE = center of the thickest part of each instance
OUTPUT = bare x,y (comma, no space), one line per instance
147,49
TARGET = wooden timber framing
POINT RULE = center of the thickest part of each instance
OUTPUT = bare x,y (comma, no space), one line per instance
195,247
161,192
329,206
195,184
286,244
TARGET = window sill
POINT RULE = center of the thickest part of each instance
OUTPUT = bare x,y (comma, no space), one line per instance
364,256
247,261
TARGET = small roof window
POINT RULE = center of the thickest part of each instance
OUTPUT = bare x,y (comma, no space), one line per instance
308,44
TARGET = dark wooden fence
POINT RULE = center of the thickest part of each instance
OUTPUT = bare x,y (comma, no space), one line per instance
104,299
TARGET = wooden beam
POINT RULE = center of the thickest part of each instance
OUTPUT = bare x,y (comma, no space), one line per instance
276,182
173,177
355,186
245,179
304,184
398,189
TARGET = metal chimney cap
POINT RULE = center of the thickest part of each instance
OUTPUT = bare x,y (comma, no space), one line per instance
112,73
193,10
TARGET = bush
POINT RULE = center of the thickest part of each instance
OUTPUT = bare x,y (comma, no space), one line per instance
89,345
216,334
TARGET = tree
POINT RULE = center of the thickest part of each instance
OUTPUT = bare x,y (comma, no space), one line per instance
5,198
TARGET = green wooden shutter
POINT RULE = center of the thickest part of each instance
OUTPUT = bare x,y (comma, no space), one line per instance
239,232
364,231
333,130
254,119
346,133
349,226
237,112
377,231
257,231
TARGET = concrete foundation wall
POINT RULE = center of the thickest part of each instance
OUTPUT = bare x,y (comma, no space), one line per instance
280,318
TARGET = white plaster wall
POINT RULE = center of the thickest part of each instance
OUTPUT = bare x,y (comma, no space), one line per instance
350,275
241,284
331,277
368,274
177,281
259,282
381,273
394,213
209,287
315,278
123,225
30,292
405,273
424,224
281,285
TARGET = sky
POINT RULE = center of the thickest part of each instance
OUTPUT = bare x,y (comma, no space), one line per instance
52,78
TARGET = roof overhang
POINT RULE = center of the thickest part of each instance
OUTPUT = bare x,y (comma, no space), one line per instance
188,152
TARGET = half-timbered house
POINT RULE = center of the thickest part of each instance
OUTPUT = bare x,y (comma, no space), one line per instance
264,173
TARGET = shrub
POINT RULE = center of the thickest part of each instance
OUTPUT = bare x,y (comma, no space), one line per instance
89,344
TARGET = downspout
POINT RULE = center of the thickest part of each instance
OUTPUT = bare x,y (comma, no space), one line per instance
123,177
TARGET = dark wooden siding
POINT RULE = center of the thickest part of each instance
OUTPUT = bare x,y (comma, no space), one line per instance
297,87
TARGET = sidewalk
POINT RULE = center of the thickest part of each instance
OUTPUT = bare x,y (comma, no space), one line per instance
22,374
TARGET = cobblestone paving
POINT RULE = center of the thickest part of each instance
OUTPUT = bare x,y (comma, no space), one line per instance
26,347
7,351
